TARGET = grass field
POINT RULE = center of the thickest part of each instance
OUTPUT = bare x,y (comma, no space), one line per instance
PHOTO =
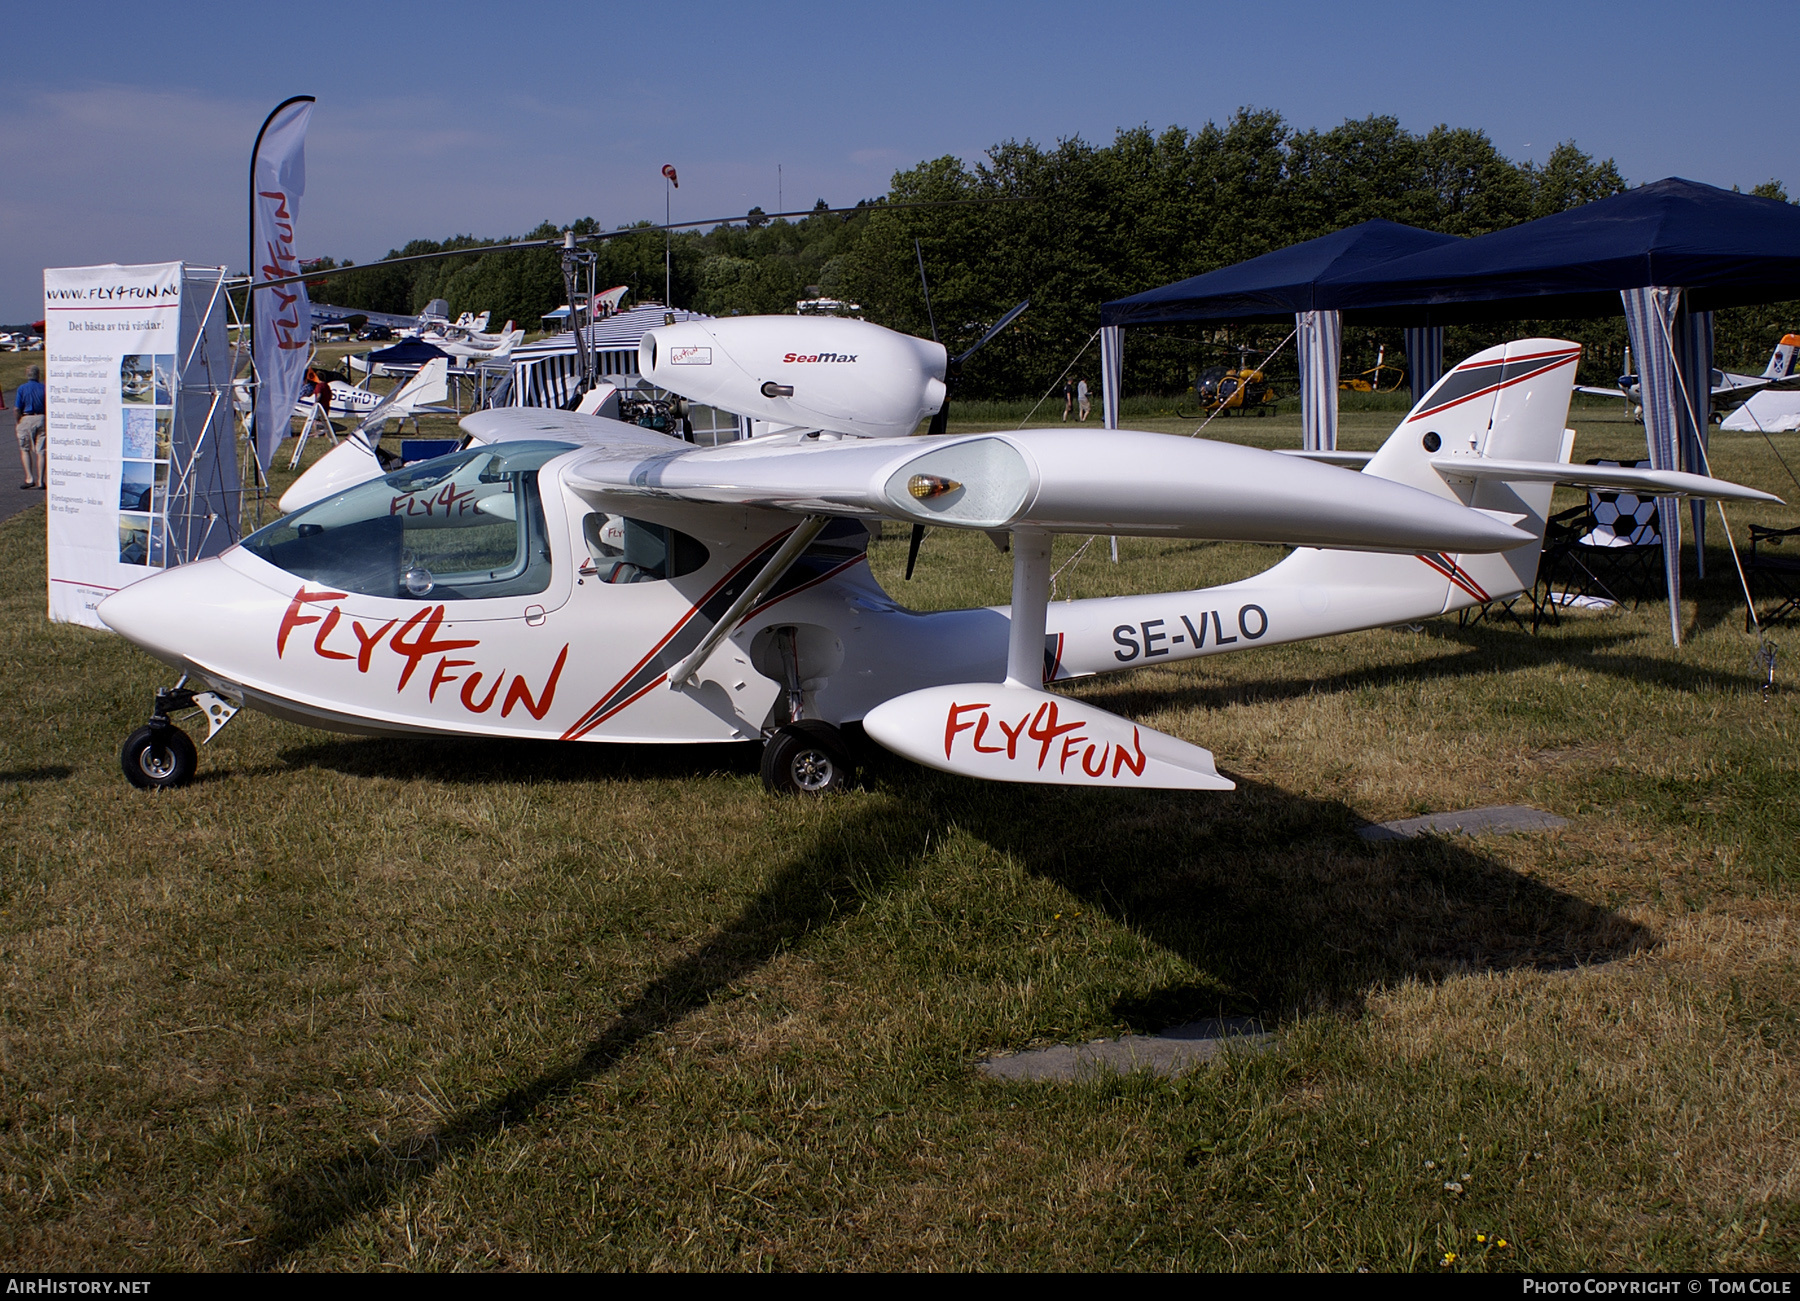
358,1003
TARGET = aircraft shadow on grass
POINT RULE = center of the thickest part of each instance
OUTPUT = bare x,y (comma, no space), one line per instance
1269,895
1588,649
49,772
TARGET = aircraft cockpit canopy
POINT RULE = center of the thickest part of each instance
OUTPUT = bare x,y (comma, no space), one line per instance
467,526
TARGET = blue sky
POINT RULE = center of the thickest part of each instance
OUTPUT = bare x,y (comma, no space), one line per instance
125,129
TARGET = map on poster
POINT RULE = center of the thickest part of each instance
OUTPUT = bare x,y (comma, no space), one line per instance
119,445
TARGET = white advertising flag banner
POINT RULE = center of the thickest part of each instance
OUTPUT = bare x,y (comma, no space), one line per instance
282,316
112,335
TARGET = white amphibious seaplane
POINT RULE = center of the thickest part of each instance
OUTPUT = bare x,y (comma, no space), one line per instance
573,578
1784,365
417,396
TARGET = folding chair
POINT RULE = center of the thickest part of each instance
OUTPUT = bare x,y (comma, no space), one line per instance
1610,548
1778,575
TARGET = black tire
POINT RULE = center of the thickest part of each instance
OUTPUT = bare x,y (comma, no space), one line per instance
807,758
158,758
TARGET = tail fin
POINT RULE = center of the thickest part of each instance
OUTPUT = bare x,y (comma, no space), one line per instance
430,385
1784,362
1508,403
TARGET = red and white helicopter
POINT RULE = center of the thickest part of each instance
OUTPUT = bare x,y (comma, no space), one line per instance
570,577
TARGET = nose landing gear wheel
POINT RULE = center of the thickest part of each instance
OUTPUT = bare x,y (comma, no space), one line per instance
158,758
806,758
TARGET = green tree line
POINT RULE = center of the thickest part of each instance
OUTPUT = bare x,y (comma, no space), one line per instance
1082,224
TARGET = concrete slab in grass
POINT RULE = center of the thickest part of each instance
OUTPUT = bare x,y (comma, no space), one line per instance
1468,822
1172,1052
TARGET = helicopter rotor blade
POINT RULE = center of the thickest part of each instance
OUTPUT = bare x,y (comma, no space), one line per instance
994,329
926,287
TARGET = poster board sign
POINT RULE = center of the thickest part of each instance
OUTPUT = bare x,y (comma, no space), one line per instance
126,449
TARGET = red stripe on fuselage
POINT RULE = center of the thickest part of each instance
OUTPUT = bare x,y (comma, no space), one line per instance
1448,568
587,723
833,572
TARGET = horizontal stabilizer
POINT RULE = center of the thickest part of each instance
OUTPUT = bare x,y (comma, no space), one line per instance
1612,478
1348,460
1007,732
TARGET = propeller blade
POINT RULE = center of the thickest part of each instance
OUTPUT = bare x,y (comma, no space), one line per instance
997,326
912,549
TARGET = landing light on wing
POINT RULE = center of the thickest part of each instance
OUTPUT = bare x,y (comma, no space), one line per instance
924,486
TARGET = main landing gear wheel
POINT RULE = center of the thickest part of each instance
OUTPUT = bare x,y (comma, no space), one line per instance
806,758
158,758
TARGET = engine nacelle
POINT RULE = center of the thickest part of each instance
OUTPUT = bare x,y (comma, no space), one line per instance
816,372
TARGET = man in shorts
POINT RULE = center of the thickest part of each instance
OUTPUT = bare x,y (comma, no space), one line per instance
28,403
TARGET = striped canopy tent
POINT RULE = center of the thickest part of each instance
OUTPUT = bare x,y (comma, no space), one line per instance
545,373
1289,285
1666,254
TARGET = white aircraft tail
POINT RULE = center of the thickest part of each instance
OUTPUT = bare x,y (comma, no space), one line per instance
1491,435
1784,362
1507,403
430,386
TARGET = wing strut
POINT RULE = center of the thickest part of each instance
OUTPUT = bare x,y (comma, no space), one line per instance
1030,608
798,541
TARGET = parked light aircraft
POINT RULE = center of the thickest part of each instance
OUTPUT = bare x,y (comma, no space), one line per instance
417,396
1784,364
373,412
475,346
570,577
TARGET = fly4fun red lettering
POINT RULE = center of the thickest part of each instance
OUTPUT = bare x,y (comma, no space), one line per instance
414,641
280,262
1047,729
447,502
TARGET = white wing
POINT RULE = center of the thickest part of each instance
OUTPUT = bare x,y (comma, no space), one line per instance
1060,481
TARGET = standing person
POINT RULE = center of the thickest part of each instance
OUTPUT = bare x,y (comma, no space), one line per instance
28,404
319,388
1068,397
1081,396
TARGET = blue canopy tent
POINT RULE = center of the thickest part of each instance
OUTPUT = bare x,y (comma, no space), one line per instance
409,352
1726,249
1290,284
1667,253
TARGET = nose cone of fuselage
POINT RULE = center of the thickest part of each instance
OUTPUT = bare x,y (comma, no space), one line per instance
167,614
